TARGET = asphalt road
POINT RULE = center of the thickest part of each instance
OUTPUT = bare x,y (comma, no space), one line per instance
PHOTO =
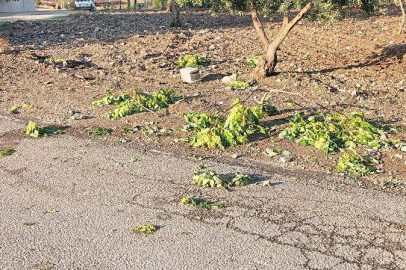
70,203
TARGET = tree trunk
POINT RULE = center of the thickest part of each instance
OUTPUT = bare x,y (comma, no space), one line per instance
175,10
266,65
402,23
128,4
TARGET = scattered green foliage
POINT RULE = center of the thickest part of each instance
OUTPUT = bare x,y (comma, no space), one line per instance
100,132
252,61
137,103
215,131
38,132
336,132
30,223
355,165
152,128
239,180
199,203
370,6
51,60
269,109
193,61
133,159
145,229
239,85
7,152
44,266
273,152
27,105
14,109
111,99
325,12
211,179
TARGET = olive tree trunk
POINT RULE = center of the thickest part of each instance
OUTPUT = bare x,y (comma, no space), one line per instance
402,23
266,65
175,10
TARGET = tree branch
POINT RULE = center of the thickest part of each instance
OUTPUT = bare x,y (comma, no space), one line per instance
259,27
295,94
402,24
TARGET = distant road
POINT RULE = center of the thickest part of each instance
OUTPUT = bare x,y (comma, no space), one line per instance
39,14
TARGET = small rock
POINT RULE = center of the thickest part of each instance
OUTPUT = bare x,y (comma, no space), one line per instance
76,116
286,153
212,47
236,155
269,150
403,148
266,183
228,79
398,156
354,93
286,159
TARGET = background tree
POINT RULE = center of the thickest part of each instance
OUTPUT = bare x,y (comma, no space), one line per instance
402,22
323,9
174,8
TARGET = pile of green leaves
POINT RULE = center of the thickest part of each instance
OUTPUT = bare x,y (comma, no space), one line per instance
199,203
212,179
138,102
334,133
100,132
39,132
215,131
145,229
355,165
252,61
111,99
193,61
239,85
7,152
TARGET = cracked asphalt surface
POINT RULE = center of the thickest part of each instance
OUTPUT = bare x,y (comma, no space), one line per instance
70,202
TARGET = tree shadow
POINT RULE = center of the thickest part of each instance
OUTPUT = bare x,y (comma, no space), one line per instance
212,77
392,51
255,178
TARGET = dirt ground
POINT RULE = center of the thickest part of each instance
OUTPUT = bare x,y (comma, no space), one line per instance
353,65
